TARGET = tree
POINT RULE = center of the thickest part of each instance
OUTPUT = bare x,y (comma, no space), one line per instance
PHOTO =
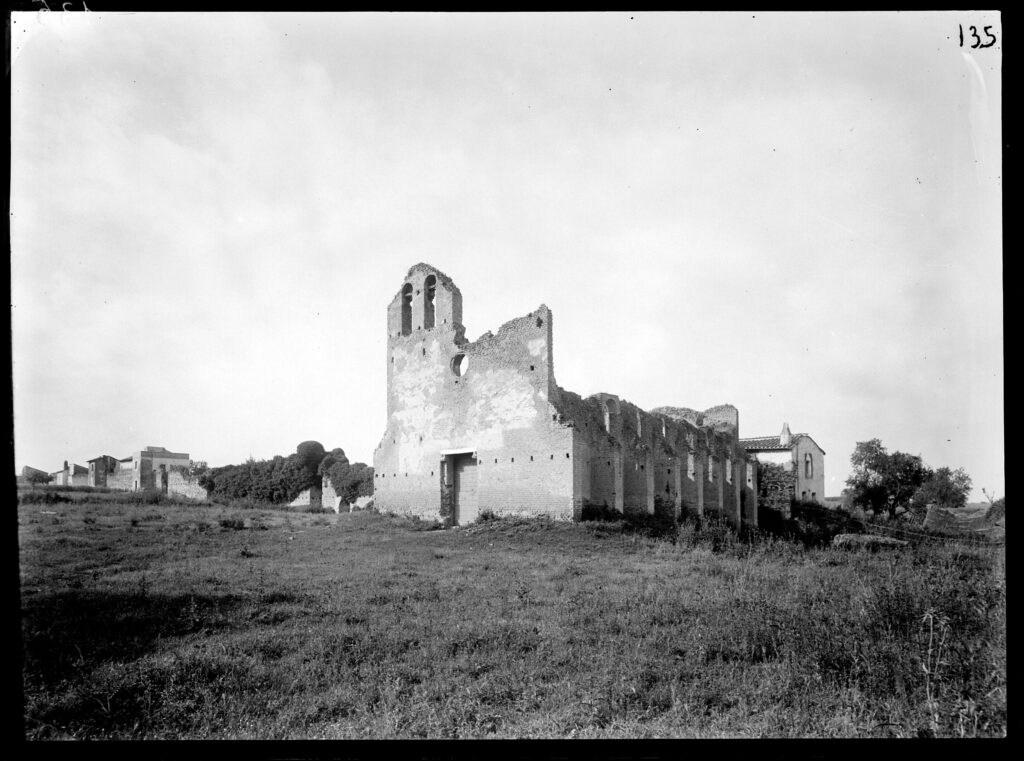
36,477
350,480
906,474
331,460
945,488
282,479
358,482
866,482
310,453
884,482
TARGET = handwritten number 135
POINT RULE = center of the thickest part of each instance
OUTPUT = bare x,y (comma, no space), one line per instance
977,40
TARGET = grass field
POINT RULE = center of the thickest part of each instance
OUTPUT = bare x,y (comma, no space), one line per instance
175,621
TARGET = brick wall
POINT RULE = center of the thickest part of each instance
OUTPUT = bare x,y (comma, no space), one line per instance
499,407
539,449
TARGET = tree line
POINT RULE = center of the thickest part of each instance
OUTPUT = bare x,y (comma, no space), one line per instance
883,482
282,478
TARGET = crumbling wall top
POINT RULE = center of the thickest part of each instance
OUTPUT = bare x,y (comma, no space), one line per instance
723,417
428,269
681,413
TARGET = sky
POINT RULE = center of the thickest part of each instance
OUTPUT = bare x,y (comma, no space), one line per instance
795,213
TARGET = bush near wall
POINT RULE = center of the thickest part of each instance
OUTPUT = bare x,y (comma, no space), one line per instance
776,486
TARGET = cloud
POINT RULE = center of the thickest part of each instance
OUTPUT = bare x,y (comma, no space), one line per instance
211,211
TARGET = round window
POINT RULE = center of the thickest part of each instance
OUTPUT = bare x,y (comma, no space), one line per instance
460,363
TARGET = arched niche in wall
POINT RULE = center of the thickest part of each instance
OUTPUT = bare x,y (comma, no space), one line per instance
429,292
406,309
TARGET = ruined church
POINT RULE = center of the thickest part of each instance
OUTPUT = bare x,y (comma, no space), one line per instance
475,425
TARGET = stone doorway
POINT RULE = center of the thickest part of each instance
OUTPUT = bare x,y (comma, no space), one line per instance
464,483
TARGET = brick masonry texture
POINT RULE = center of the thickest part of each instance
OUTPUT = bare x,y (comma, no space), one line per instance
491,411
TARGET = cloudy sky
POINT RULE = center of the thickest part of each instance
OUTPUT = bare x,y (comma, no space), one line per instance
798,214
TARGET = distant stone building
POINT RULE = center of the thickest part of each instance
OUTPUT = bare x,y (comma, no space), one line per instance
100,467
798,453
71,475
149,469
152,467
483,425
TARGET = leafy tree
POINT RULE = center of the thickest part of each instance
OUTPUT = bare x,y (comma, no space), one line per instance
332,460
350,480
36,477
310,453
308,456
945,487
282,479
881,481
906,474
359,482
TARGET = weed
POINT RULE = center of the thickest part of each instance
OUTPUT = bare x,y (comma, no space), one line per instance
526,629
933,661
42,498
247,503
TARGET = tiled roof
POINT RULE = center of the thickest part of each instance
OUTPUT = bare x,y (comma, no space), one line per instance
769,443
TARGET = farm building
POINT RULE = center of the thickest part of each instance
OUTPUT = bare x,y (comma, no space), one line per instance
797,453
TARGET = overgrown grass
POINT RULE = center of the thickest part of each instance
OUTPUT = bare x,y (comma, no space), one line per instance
83,494
61,488
153,622
41,497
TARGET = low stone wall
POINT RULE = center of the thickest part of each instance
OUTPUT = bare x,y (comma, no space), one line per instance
329,497
312,497
122,481
181,485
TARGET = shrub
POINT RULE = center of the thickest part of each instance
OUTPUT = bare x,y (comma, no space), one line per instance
712,532
595,512
82,489
248,503
316,510
41,498
234,524
661,524
655,526
413,522
810,524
